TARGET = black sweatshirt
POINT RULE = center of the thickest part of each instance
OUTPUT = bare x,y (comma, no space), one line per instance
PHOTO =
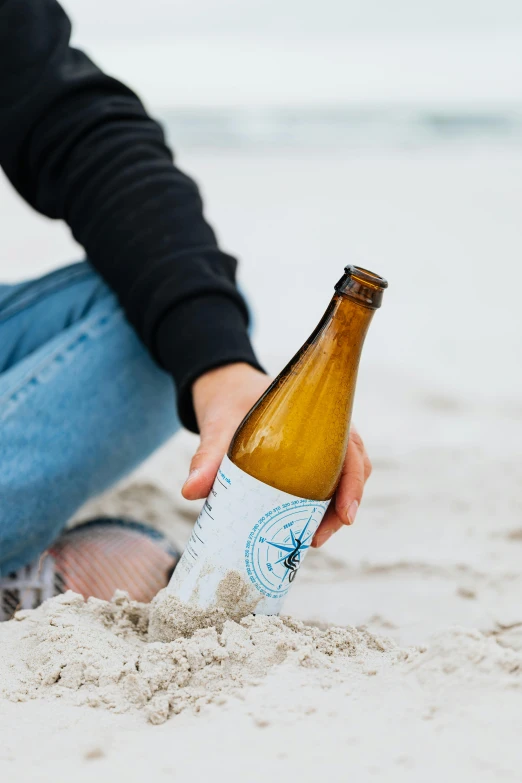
79,145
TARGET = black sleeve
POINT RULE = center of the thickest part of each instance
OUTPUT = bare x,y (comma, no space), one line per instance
78,145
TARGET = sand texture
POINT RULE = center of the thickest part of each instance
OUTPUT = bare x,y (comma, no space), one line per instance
402,661
265,674
103,654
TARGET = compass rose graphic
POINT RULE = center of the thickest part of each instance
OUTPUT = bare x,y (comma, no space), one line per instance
278,544
292,558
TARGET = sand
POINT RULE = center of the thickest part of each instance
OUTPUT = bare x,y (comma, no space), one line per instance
431,568
165,658
265,674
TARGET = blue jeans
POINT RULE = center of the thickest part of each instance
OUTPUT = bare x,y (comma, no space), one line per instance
81,405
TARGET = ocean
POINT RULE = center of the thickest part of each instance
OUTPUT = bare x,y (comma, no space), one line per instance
342,127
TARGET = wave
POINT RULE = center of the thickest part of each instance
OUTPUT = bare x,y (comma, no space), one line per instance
344,126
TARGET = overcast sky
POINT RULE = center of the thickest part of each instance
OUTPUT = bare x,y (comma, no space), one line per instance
252,52
316,17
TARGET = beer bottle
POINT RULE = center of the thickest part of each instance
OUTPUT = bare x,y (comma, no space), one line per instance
283,465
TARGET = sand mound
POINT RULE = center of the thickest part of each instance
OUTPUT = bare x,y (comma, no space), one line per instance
99,653
114,655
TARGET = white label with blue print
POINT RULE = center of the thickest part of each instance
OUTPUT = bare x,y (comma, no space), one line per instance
248,527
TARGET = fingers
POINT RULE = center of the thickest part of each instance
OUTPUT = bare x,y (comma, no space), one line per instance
345,504
356,470
222,397
330,524
206,461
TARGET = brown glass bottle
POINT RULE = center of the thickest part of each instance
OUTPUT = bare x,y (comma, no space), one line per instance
295,437
273,487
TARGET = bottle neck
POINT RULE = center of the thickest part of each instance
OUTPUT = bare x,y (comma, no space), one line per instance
340,334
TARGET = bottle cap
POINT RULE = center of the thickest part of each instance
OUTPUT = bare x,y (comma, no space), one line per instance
362,285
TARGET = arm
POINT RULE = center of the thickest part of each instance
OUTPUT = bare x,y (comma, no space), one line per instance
78,145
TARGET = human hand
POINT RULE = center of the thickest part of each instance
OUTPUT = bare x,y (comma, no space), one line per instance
222,398
347,499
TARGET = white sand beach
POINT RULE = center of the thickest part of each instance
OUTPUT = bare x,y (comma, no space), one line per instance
430,685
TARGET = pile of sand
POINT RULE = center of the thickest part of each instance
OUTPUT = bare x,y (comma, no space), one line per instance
107,654
102,654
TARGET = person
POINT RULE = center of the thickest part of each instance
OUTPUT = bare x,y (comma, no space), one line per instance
102,361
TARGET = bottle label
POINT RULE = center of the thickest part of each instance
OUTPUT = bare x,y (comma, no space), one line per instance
246,526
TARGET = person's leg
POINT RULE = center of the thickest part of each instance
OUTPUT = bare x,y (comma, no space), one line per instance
81,405
35,311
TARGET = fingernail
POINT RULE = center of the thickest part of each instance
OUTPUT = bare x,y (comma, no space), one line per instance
324,536
192,475
352,511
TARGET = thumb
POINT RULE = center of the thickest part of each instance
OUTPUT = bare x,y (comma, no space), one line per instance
205,463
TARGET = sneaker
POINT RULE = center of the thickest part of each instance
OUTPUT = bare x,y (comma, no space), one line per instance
94,559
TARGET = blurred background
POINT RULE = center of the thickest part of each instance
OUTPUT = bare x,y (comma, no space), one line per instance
386,133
